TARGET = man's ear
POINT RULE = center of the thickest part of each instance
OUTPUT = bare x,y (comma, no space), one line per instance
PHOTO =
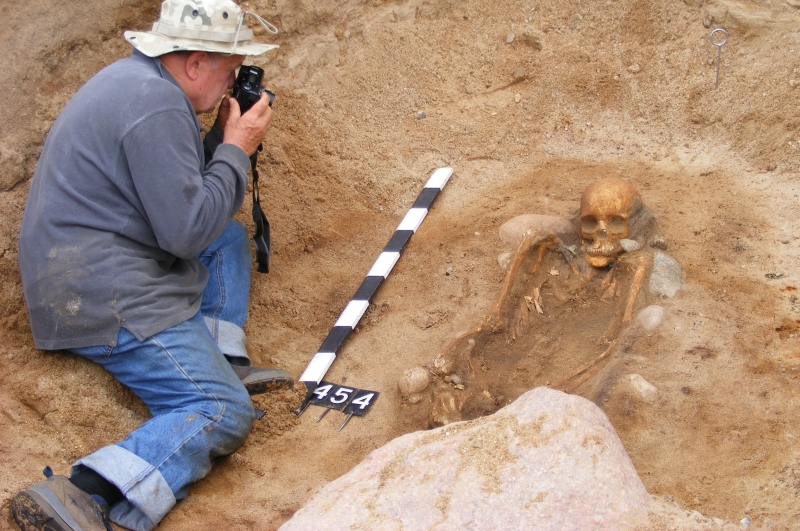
194,63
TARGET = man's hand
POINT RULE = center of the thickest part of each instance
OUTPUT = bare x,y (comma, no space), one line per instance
246,131
224,112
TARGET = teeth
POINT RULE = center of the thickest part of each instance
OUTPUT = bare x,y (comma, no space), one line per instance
604,249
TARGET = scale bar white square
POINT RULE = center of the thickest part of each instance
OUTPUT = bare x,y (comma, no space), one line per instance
413,219
384,264
317,367
439,178
352,313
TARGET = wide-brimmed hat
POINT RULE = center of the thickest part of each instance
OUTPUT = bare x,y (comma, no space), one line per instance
201,25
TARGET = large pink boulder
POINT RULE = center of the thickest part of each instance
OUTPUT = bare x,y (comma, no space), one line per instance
549,461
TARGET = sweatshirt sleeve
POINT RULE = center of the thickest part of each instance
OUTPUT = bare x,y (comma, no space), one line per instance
187,205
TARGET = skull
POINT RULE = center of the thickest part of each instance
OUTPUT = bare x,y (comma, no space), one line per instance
605,207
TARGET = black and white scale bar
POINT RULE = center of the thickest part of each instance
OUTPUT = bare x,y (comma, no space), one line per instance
355,309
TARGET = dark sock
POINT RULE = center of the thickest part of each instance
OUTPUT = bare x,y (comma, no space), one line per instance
237,360
91,482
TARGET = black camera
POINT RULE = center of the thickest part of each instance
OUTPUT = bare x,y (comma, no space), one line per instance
248,90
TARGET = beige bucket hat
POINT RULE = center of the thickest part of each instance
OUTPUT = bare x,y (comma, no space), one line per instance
201,25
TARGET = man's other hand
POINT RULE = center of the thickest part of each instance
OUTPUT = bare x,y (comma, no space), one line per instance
245,130
224,112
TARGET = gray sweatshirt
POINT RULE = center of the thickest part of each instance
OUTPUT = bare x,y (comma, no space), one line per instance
121,204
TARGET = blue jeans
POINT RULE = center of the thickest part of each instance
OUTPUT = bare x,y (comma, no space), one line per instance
200,408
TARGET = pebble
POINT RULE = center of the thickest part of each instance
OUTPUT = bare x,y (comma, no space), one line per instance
630,245
647,391
534,40
659,243
513,230
413,381
421,115
517,98
504,259
793,83
448,271
455,379
745,522
634,68
518,74
651,317
510,38
667,278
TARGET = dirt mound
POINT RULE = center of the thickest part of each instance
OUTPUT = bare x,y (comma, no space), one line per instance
529,101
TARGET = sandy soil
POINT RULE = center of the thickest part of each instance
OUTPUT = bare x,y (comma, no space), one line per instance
585,89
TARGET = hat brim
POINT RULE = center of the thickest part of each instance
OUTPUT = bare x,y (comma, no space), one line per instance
154,44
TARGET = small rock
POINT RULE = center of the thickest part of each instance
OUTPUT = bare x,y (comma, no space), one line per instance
659,242
460,387
685,390
630,245
634,68
510,38
512,231
413,381
533,39
518,74
643,388
667,278
455,379
651,317
517,98
421,115
793,83
745,522
448,271
504,259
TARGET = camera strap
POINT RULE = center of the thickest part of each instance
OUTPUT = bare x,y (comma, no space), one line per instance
261,236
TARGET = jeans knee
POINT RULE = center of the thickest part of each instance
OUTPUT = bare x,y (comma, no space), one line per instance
237,232
236,420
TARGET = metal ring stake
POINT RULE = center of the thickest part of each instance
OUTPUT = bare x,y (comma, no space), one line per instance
719,44
355,309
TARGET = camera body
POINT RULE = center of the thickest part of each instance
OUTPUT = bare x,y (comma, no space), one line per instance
248,90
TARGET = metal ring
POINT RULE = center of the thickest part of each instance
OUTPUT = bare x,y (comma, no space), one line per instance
711,37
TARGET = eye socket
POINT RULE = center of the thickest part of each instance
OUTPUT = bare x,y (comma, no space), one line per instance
224,14
195,13
617,224
589,224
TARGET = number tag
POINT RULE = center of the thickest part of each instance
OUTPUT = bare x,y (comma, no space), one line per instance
338,397
361,402
321,393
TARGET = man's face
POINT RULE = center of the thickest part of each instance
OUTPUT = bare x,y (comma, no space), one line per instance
217,73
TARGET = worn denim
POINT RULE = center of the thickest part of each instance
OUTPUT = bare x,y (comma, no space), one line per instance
200,408
227,294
